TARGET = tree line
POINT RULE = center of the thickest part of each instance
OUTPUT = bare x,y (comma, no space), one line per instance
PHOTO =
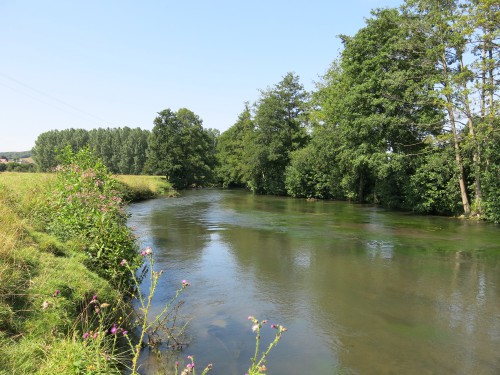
406,117
178,147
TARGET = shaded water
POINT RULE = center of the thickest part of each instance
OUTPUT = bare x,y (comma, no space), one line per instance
360,289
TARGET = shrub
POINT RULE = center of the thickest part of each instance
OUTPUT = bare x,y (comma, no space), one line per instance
85,204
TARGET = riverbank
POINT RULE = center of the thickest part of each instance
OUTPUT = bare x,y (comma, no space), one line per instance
49,291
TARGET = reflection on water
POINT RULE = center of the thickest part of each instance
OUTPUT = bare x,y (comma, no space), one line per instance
361,290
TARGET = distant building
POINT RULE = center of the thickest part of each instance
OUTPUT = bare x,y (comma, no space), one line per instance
3,159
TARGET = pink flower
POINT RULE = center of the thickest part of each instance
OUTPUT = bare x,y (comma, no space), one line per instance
113,329
56,293
86,335
185,283
123,262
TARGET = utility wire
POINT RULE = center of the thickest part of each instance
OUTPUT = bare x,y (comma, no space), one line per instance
40,92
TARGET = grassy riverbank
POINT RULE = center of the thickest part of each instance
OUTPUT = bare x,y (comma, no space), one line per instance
46,283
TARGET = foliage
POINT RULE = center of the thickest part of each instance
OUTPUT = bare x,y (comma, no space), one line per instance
230,151
313,171
90,208
280,128
491,176
16,154
17,167
180,149
122,150
433,188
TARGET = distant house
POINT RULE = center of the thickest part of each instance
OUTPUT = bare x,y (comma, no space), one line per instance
3,159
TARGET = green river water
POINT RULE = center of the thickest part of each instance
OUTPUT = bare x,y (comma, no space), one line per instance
361,290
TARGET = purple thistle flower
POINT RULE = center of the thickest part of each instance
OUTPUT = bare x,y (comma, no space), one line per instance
113,329
56,293
86,335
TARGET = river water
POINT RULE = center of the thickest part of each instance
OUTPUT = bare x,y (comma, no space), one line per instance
361,290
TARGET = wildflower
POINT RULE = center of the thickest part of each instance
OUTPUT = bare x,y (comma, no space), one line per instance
104,305
176,364
255,327
123,262
125,333
45,304
146,251
86,335
190,366
113,329
185,283
95,335
56,293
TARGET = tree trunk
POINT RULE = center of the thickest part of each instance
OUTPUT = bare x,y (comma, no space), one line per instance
456,143
458,160
476,152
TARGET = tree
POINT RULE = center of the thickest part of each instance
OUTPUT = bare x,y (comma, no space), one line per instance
280,128
446,38
375,108
180,149
231,148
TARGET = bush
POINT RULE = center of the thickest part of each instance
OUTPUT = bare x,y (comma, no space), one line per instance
89,208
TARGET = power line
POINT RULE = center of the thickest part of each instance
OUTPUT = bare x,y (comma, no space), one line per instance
51,97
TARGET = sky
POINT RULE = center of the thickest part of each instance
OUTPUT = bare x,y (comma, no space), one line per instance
90,64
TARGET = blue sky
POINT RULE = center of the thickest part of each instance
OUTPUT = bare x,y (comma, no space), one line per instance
92,64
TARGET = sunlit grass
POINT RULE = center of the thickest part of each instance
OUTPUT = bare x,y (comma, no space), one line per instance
144,187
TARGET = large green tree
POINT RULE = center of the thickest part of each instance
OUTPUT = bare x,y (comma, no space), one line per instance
375,108
281,118
180,149
231,150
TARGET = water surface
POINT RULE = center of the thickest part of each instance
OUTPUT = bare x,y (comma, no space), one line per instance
360,289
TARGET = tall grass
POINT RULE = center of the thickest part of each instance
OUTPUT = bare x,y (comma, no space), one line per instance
136,187
43,286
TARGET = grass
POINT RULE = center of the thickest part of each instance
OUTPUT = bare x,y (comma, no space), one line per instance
37,330
144,187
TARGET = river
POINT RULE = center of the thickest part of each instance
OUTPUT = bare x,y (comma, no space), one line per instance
362,290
